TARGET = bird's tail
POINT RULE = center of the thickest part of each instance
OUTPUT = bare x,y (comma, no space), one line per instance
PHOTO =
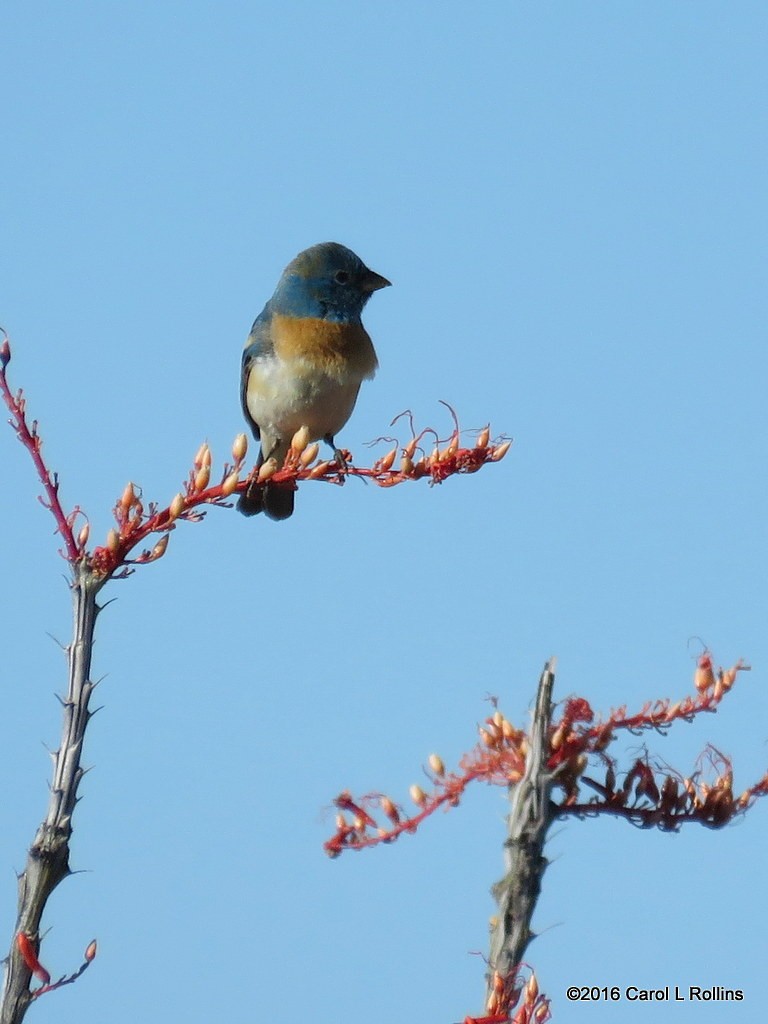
272,499
278,501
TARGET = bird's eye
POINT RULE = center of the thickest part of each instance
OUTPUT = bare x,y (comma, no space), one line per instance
341,277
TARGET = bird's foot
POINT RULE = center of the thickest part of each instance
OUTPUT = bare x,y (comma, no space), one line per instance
342,457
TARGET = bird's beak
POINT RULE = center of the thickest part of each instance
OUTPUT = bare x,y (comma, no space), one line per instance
372,281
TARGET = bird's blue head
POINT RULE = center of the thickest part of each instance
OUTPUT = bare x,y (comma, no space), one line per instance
327,281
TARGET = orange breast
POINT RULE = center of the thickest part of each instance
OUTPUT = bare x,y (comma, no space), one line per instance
337,350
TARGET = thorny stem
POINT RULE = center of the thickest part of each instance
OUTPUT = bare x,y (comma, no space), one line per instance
531,814
48,857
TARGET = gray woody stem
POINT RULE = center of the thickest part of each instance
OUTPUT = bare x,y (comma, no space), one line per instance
48,857
527,825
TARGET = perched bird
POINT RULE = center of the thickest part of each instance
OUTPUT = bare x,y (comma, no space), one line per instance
305,359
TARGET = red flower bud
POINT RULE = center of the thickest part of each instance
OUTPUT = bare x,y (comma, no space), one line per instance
29,956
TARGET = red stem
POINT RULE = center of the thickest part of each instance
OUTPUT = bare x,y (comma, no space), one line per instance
31,442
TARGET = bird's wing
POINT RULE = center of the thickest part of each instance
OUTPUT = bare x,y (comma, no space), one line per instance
257,346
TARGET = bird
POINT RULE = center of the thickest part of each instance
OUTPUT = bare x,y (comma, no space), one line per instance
304,361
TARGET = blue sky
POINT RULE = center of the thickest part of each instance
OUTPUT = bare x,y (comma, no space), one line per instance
570,200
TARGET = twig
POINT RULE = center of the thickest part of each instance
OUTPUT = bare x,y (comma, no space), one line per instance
27,434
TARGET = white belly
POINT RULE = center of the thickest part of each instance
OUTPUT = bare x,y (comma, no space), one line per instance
281,401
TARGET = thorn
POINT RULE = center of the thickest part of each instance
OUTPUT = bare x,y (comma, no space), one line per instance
59,644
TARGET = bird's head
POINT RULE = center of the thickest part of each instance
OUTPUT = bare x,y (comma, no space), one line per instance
327,281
